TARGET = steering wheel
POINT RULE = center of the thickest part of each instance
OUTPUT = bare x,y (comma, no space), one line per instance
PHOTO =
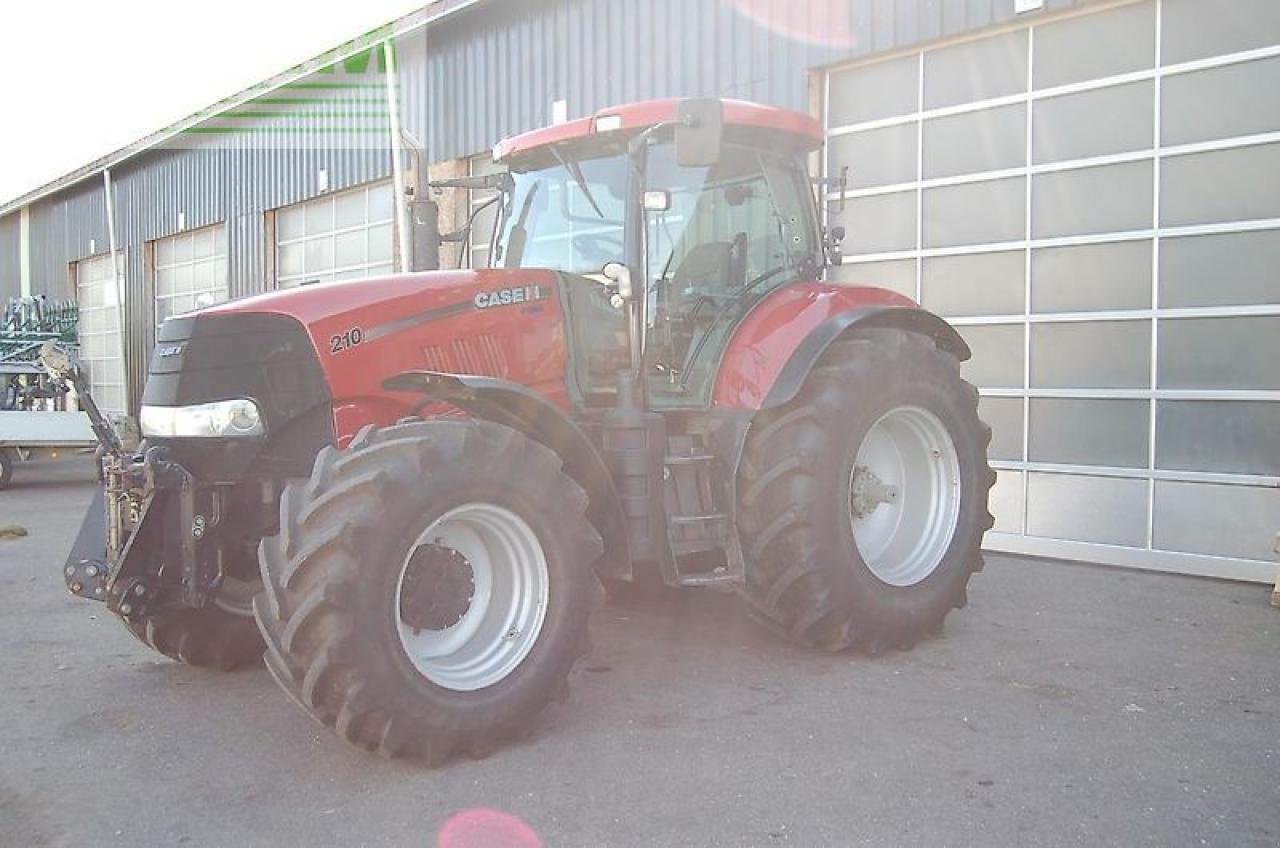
604,245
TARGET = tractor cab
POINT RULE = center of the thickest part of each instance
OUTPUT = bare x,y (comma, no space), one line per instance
675,216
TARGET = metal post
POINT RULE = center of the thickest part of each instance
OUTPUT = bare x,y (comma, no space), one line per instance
397,160
118,282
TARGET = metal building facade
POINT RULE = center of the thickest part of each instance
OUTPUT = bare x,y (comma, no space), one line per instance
491,68
484,70
490,72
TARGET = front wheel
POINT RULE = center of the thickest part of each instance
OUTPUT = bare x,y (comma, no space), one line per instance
430,587
865,500
221,635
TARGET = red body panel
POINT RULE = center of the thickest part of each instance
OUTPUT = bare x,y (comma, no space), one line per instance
763,343
424,321
649,112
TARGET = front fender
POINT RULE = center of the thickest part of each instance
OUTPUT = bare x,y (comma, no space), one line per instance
773,350
523,409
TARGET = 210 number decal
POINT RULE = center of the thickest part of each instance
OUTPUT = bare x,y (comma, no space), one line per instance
345,340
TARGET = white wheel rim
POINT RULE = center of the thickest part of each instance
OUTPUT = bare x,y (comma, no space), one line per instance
506,610
904,495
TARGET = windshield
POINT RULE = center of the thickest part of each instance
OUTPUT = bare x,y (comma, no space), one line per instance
567,216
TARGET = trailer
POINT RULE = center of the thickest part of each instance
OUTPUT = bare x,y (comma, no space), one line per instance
39,417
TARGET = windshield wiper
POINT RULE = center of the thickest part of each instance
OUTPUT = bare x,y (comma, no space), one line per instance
575,171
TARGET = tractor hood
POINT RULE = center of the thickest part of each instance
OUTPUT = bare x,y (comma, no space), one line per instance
494,322
320,303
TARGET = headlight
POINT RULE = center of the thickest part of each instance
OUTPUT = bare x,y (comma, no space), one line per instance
239,417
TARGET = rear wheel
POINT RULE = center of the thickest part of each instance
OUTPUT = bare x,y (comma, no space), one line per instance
430,587
865,500
221,635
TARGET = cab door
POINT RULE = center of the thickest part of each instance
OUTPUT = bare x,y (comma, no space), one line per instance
719,239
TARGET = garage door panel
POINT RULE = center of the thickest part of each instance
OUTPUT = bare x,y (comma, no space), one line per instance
1196,29
1088,47
1092,200
1240,353
1221,102
879,224
975,213
1224,185
1092,277
975,284
1108,510
1226,437
875,91
876,157
1141,338
1066,126
976,70
1226,269
1235,521
897,275
1071,431
346,235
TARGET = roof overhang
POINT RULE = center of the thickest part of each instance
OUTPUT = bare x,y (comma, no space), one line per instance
434,11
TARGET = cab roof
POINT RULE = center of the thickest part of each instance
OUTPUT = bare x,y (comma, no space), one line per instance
806,131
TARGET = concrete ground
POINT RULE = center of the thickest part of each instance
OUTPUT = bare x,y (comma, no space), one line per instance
1066,705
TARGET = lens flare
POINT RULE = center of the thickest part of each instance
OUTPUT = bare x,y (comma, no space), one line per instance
485,828
825,24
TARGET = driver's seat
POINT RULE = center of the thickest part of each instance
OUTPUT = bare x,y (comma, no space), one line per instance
715,265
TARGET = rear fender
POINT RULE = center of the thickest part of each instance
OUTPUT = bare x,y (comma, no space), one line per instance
784,336
814,345
521,408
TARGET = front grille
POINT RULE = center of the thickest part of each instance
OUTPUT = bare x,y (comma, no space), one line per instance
262,356
481,355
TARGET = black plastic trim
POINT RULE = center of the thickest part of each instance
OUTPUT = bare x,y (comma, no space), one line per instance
809,351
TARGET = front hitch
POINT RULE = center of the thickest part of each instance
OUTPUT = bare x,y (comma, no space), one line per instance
150,512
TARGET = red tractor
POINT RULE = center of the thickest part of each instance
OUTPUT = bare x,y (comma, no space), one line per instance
410,489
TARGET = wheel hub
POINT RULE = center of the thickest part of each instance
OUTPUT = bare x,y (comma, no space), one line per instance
439,584
868,491
472,596
904,495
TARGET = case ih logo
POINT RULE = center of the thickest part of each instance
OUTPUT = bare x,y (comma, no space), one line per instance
507,297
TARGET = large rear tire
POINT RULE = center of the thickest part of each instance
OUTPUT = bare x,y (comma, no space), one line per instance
220,636
864,501
430,587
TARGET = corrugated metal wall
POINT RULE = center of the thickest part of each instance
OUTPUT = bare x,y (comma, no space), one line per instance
495,70
10,259
487,73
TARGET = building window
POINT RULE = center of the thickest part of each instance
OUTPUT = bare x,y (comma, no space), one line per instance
340,236
98,299
190,271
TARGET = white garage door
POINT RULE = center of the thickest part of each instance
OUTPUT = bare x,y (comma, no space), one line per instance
1095,202
190,271
98,299
336,237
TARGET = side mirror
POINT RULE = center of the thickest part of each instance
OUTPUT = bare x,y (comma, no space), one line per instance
620,276
699,133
